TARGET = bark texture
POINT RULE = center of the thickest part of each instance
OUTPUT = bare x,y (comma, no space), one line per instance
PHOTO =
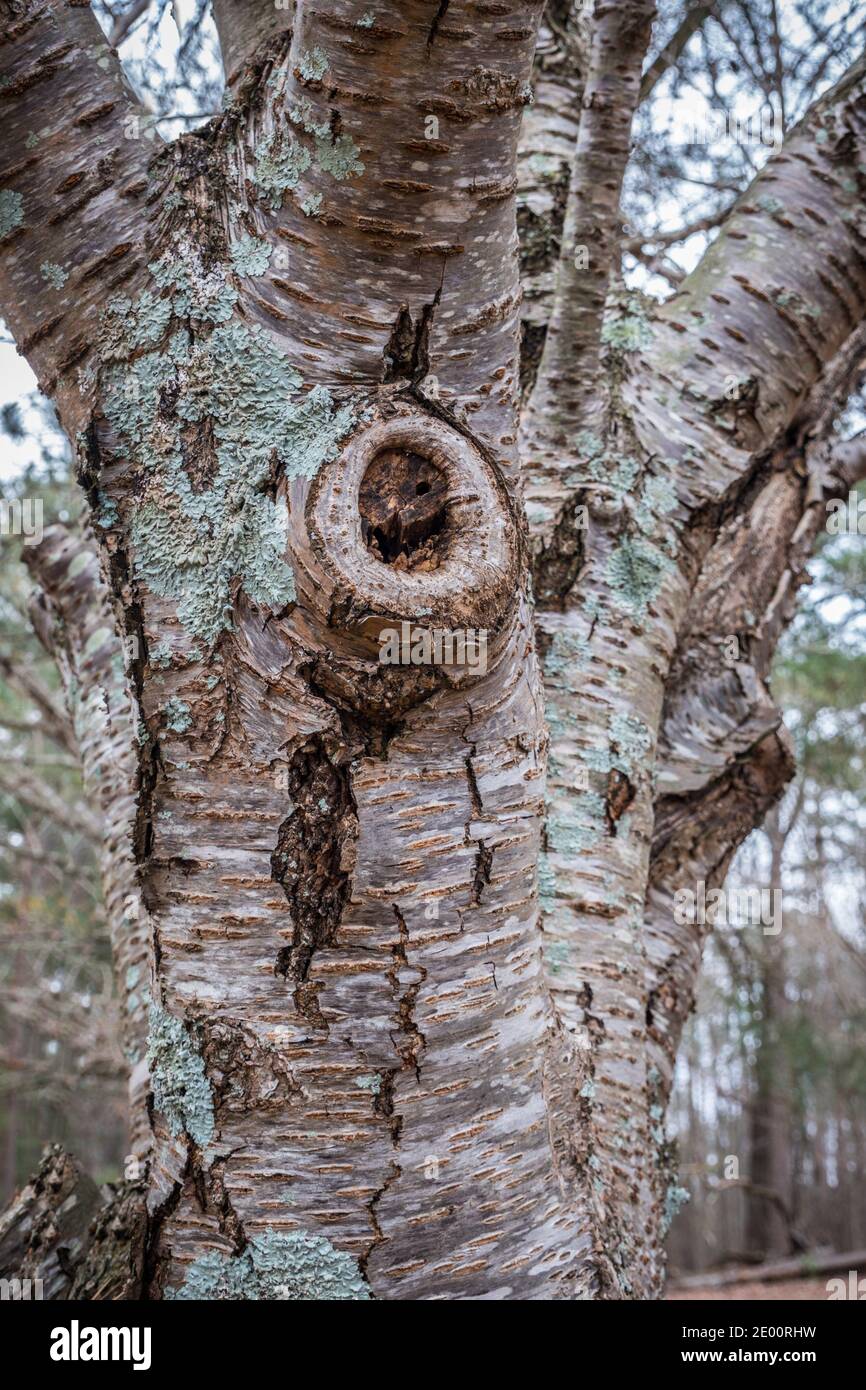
287,350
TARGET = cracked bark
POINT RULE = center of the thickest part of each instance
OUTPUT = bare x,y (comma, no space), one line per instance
338,857
71,612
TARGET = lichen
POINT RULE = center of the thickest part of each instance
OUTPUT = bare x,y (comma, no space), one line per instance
250,255
290,1265
207,418
311,206
635,572
546,884
160,655
626,327
337,155
632,740
181,1090
556,955
53,274
340,158
581,827
107,516
675,1199
177,715
11,211
198,292
280,162
313,64
371,1082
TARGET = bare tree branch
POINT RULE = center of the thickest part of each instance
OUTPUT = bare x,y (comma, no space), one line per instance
590,250
695,16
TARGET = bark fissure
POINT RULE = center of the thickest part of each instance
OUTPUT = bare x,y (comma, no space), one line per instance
313,848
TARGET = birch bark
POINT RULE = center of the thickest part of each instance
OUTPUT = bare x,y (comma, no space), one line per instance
287,350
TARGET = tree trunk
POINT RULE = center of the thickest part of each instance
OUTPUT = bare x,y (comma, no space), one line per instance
287,351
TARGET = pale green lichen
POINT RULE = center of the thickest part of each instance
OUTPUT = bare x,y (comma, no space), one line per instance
635,572
181,1090
313,64
250,255
107,516
160,655
311,206
632,740
588,445
675,1199
280,162
238,412
277,1265
338,155
371,1082
626,327
546,884
177,715
11,210
581,828
340,158
198,292
617,471
556,955
566,656
53,274
366,21
659,498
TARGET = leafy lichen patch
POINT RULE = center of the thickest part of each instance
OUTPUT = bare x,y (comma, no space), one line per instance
291,1265
181,1090
11,211
209,417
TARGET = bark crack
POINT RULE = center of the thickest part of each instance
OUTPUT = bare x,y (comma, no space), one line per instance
311,863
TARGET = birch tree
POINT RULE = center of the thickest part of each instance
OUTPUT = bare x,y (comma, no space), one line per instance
416,978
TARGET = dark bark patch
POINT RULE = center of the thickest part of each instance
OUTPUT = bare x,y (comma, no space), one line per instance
310,860
404,510
620,795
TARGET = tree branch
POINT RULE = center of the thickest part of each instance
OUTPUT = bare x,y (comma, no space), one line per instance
244,26
590,251
773,300
125,22
71,229
694,18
